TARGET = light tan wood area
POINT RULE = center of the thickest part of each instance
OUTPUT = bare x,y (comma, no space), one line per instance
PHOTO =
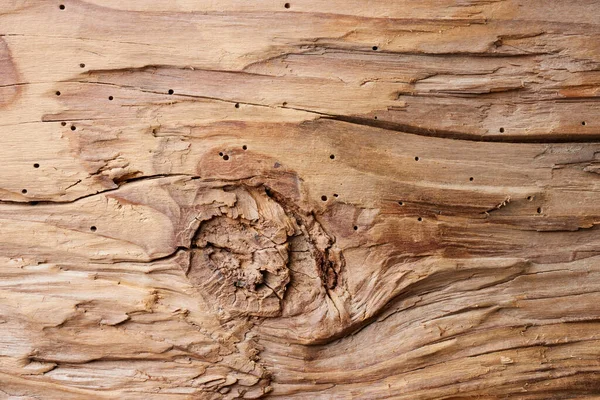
311,199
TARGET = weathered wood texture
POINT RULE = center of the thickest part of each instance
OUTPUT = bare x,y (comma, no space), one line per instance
340,199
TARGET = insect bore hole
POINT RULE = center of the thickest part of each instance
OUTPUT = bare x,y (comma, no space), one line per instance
324,198
93,228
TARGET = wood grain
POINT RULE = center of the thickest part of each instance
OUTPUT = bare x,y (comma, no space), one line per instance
303,200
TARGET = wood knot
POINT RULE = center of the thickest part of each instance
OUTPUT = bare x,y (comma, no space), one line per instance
241,255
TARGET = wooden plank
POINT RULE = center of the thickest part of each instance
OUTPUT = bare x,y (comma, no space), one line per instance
329,200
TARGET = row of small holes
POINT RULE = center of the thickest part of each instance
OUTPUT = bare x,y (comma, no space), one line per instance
471,179
237,105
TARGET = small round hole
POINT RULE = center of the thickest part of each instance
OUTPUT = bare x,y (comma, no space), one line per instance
221,153
225,157
332,156
287,5
62,6
58,93
583,123
375,117
401,203
324,198
73,127
110,98
171,91
336,195
501,130
24,191
36,165
284,104
244,147
63,123
355,227
539,210
375,48
419,219
237,105
529,198
416,158
93,228
471,179
82,65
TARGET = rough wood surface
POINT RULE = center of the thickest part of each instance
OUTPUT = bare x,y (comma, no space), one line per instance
308,200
